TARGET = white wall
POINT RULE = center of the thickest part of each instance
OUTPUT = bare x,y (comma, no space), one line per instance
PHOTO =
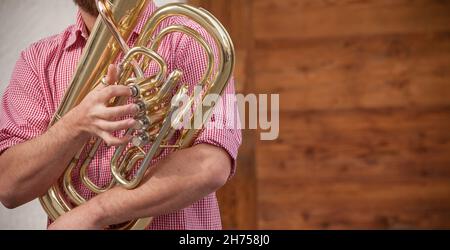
21,23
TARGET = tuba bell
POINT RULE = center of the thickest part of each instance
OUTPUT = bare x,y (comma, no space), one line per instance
154,94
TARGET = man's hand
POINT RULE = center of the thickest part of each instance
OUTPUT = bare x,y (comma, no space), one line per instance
94,118
23,179
81,218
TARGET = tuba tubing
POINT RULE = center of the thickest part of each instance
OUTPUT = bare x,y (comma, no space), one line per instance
106,43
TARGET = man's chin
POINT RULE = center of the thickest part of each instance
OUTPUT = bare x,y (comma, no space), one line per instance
88,6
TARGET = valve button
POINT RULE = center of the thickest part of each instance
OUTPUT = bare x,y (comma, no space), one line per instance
142,106
140,140
142,123
135,91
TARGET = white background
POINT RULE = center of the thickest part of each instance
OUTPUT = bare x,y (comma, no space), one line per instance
21,23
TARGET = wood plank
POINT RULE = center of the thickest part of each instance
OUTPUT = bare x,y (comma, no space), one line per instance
373,72
359,144
365,112
288,205
357,169
294,19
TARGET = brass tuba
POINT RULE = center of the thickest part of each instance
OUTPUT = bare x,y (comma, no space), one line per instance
154,95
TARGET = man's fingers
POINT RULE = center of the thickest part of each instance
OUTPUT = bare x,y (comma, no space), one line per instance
110,79
116,125
112,91
110,140
108,88
111,113
112,76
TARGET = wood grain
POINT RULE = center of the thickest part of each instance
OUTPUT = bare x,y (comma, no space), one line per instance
365,113
306,19
357,169
373,72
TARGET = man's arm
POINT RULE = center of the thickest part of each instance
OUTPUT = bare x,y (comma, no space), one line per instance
178,181
185,176
28,169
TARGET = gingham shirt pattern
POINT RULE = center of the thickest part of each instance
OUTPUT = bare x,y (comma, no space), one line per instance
42,75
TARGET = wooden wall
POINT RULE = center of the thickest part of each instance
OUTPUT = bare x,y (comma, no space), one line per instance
365,113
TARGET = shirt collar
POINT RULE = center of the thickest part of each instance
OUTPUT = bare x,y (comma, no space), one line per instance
80,30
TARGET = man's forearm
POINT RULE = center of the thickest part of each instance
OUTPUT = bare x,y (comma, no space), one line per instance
177,182
30,168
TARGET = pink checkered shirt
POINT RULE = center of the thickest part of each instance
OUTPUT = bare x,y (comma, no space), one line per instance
43,73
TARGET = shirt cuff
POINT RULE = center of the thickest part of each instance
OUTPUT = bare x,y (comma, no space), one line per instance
227,139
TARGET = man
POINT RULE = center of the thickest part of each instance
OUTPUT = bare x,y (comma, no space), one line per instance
181,193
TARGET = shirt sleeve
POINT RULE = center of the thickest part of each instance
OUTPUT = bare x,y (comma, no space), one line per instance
23,114
223,129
